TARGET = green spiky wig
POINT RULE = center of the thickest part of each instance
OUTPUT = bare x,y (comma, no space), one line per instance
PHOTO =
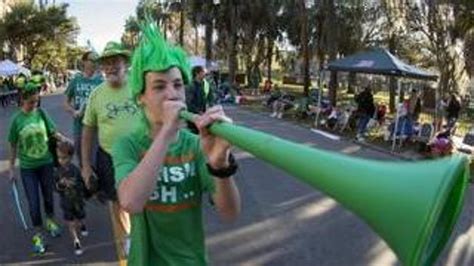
154,53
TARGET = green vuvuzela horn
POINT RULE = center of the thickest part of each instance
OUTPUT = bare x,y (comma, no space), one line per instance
413,206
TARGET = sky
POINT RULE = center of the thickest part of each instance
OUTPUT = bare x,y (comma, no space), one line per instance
100,21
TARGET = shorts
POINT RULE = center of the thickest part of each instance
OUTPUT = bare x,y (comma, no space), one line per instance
72,210
106,176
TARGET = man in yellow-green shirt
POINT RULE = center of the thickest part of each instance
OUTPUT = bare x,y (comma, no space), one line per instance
111,112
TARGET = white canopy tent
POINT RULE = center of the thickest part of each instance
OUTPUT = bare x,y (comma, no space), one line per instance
201,61
25,71
8,68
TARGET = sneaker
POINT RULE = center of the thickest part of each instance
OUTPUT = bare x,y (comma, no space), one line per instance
280,115
77,248
83,230
53,228
274,114
38,244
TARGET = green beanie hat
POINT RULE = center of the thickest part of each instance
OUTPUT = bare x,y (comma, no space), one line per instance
154,53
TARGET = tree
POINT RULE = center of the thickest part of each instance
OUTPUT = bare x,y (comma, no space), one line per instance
436,24
334,28
39,31
131,32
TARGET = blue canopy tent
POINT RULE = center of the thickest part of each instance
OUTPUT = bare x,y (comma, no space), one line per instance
379,61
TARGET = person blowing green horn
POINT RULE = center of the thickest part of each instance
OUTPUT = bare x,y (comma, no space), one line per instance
162,170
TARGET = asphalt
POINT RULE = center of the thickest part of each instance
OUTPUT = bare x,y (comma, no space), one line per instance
283,221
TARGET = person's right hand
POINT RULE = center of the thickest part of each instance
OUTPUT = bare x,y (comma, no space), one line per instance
170,114
12,175
86,173
77,113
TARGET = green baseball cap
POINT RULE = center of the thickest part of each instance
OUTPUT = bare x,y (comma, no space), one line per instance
38,79
113,49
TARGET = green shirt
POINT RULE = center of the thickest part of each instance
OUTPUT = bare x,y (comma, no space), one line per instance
78,92
170,229
113,112
28,133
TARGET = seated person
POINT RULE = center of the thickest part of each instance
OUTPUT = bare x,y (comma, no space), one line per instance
302,107
275,95
404,127
225,93
267,86
344,118
282,104
405,124
441,144
333,117
381,112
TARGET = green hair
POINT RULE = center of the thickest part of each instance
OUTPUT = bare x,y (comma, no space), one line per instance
154,53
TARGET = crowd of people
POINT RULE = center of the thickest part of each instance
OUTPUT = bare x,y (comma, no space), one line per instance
129,151
365,115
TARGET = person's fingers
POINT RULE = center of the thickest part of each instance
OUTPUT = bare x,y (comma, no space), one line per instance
215,108
210,117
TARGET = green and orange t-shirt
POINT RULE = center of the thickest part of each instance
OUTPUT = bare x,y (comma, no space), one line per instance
170,229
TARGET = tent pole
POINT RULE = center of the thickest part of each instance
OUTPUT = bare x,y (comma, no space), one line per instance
316,120
394,138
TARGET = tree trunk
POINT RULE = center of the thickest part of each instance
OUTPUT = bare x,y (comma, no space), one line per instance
269,59
248,68
332,43
209,28
393,91
351,80
233,45
233,57
305,48
392,45
196,39
181,24
333,88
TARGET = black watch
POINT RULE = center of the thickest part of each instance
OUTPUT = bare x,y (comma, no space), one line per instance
224,172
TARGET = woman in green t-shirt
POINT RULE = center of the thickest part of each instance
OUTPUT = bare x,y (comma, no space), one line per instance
162,170
28,138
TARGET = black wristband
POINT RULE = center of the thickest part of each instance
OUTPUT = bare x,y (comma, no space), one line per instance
224,172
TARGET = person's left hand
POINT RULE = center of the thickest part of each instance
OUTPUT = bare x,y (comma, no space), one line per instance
216,148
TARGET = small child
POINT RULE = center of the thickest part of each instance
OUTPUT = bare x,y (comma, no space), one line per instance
71,188
441,145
